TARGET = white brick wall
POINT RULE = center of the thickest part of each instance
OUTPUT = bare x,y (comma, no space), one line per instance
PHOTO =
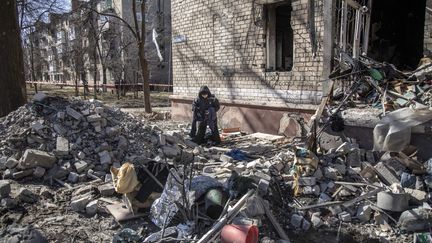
224,50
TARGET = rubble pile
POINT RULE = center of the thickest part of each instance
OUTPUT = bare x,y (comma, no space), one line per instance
383,85
255,186
387,191
53,138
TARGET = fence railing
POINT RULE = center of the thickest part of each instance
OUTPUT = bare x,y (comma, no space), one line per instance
110,86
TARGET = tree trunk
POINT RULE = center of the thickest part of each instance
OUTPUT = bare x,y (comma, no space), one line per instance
76,84
94,75
33,75
143,61
145,74
104,77
12,81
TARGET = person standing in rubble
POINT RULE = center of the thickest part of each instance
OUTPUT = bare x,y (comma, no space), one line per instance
204,110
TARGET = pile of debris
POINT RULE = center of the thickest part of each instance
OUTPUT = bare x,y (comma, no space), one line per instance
52,138
382,84
55,140
256,186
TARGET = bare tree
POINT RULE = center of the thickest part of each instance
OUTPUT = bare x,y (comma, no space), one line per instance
12,84
139,33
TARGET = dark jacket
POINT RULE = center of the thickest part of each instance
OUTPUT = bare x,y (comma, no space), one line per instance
201,105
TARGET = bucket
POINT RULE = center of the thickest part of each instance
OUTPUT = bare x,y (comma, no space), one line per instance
239,234
215,200
395,202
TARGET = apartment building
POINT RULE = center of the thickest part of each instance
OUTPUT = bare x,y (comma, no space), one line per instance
92,44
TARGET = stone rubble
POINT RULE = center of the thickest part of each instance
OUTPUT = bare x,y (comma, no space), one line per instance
75,143
58,138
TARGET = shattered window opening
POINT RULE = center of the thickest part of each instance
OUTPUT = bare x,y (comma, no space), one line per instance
280,40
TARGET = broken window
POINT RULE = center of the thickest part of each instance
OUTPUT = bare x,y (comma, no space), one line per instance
398,40
279,37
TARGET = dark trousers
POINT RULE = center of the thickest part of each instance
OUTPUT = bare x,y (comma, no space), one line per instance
209,120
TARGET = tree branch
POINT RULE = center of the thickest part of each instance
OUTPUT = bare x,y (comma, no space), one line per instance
116,17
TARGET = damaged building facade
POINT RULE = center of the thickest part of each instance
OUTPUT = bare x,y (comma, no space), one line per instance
268,61
83,45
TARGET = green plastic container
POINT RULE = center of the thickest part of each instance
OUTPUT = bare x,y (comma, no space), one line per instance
215,200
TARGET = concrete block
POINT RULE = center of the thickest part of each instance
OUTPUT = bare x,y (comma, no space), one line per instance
94,118
106,190
345,217
306,225
21,174
316,220
62,146
59,129
260,175
364,213
73,177
307,181
92,208
79,205
385,174
318,174
418,196
330,173
171,151
73,113
335,210
39,172
296,220
85,112
105,157
263,186
7,174
11,163
58,172
311,190
61,115
9,203
80,166
353,158
33,158
5,188
27,196
99,110
37,126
